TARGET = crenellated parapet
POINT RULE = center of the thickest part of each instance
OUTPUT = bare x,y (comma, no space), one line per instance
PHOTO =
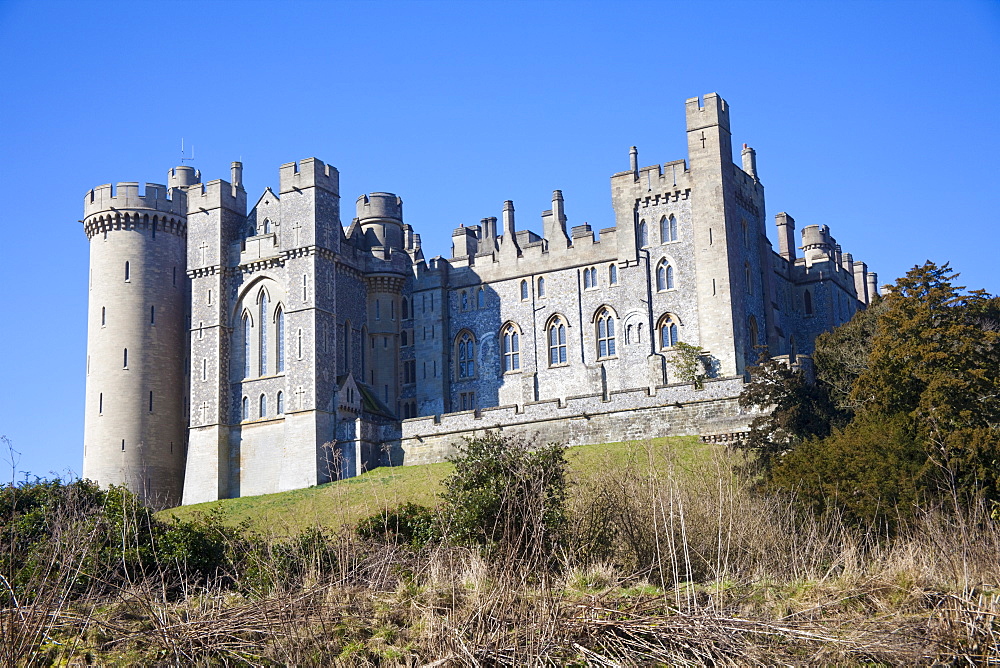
107,208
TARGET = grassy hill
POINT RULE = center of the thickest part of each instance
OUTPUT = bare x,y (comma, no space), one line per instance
347,501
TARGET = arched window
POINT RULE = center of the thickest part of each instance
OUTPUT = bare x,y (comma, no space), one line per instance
807,299
672,227
613,275
246,409
664,230
251,230
541,286
267,226
246,346
406,308
643,236
481,298
378,309
557,341
747,278
127,272
263,333
752,328
281,403
792,357
510,342
263,405
524,290
590,277
605,333
465,300
466,356
403,338
664,276
280,326
667,328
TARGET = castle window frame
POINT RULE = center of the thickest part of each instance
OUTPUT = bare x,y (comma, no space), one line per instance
605,330
405,309
246,409
247,338
104,320
524,290
404,340
541,286
668,330
748,278
262,334
152,315
263,405
612,274
665,276
481,297
128,272
555,334
590,278
467,401
125,358
280,403
510,346
807,302
642,234
279,322
753,332
668,229
465,354
464,300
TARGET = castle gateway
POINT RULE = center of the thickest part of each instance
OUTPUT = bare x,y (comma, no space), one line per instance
234,352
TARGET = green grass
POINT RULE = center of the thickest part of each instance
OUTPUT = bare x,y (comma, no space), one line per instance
345,502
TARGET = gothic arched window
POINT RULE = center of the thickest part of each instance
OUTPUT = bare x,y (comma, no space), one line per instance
557,341
541,286
481,298
754,334
668,331
281,403
605,333
664,276
263,405
466,356
643,236
748,278
246,346
465,300
524,290
280,343
613,275
263,333
246,409
511,345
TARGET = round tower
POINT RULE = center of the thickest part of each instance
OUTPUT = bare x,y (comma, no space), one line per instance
135,423
381,219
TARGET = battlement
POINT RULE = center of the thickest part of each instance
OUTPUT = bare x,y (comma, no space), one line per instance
214,195
381,206
309,173
714,111
125,196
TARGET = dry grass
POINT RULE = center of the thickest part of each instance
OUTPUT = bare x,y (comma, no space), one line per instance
670,561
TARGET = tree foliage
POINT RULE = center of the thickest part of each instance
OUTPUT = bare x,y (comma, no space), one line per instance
911,408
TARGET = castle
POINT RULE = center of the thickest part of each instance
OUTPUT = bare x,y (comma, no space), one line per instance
234,352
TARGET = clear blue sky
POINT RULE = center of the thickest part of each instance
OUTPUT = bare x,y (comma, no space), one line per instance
876,118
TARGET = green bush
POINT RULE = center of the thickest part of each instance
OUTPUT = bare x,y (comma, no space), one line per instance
504,493
408,523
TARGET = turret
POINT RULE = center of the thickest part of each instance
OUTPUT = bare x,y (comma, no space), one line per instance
786,236
749,161
135,420
816,243
633,161
381,218
554,222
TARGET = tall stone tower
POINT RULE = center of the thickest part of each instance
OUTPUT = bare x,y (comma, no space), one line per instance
135,425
